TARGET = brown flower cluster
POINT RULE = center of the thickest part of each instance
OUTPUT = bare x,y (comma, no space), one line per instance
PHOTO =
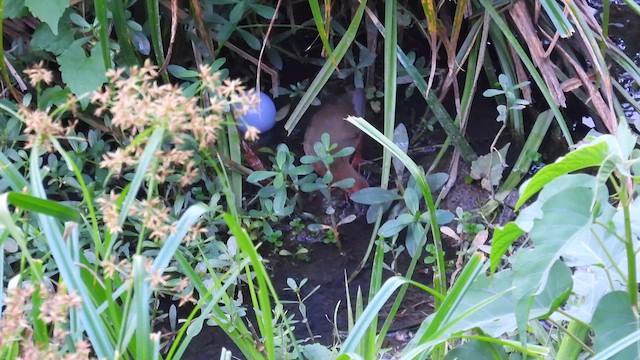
155,217
159,282
39,74
39,126
137,102
54,311
109,209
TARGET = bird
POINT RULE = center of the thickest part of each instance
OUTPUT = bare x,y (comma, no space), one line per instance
330,119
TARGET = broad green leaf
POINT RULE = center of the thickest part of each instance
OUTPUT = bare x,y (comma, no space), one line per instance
44,39
612,321
279,200
182,73
531,213
626,140
328,177
311,187
257,176
498,312
54,95
316,352
581,158
301,170
13,9
503,237
492,92
566,217
344,152
416,235
49,11
83,74
443,216
278,180
267,191
264,11
411,200
490,167
44,206
344,183
236,13
374,195
250,39
401,139
599,262
476,349
394,226
555,292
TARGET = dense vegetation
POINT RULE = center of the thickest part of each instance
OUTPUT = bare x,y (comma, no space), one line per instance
122,174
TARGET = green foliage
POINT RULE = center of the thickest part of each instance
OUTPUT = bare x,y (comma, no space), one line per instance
410,216
510,94
283,178
488,168
326,155
49,12
125,248
572,220
80,72
466,223
408,213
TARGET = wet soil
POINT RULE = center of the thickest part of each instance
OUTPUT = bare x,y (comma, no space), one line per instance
327,267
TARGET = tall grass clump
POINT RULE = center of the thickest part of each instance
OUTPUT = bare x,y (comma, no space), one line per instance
95,231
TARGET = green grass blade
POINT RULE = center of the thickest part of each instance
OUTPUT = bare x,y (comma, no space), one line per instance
317,19
124,39
390,85
444,119
153,15
211,299
94,326
443,316
100,7
262,277
523,163
44,206
558,18
170,246
3,65
148,156
235,155
418,174
370,313
86,193
141,297
245,344
633,6
8,172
